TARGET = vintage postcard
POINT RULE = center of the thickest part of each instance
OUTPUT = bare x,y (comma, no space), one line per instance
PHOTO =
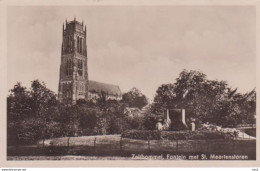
129,83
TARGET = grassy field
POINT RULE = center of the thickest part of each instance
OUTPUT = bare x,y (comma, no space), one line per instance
114,147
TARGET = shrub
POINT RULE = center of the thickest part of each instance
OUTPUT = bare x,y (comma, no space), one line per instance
175,135
150,121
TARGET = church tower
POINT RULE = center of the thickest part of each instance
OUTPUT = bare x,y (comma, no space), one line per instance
73,81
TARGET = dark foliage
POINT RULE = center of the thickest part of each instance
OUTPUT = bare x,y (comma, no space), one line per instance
32,114
134,98
35,114
206,100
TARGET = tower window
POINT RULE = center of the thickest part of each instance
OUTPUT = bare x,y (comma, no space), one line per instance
84,47
80,67
67,90
71,44
69,67
81,88
80,45
68,44
77,44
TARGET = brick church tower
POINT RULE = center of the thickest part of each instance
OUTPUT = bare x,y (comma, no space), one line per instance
73,81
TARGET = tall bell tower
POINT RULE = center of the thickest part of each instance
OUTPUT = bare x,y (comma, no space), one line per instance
73,82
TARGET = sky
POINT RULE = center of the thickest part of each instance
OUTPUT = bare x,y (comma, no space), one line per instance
136,46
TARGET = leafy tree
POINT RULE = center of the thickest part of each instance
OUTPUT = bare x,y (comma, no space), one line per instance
32,115
109,117
134,122
18,108
164,99
150,121
134,98
115,116
87,114
70,121
249,107
189,92
44,106
205,100
43,100
32,130
18,103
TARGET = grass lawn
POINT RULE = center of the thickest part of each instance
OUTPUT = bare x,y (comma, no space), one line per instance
82,141
113,147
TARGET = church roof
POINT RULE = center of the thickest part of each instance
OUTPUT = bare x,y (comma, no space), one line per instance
98,87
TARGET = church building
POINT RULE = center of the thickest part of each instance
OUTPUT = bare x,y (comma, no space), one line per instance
73,82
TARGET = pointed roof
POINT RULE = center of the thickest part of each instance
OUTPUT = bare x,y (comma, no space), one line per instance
98,87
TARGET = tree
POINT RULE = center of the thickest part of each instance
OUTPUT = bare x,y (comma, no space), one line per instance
109,117
164,99
18,109
150,121
43,100
18,103
114,111
87,114
134,98
33,129
44,105
205,100
249,112
33,114
69,120
189,92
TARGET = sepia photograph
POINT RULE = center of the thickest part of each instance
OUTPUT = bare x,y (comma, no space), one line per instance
131,82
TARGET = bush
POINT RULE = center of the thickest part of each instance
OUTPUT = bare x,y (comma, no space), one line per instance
175,135
150,121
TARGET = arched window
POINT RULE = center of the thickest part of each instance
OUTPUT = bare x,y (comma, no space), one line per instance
69,67
77,44
80,67
70,89
84,47
71,44
80,45
64,89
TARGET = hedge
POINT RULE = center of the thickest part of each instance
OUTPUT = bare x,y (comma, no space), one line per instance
176,135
